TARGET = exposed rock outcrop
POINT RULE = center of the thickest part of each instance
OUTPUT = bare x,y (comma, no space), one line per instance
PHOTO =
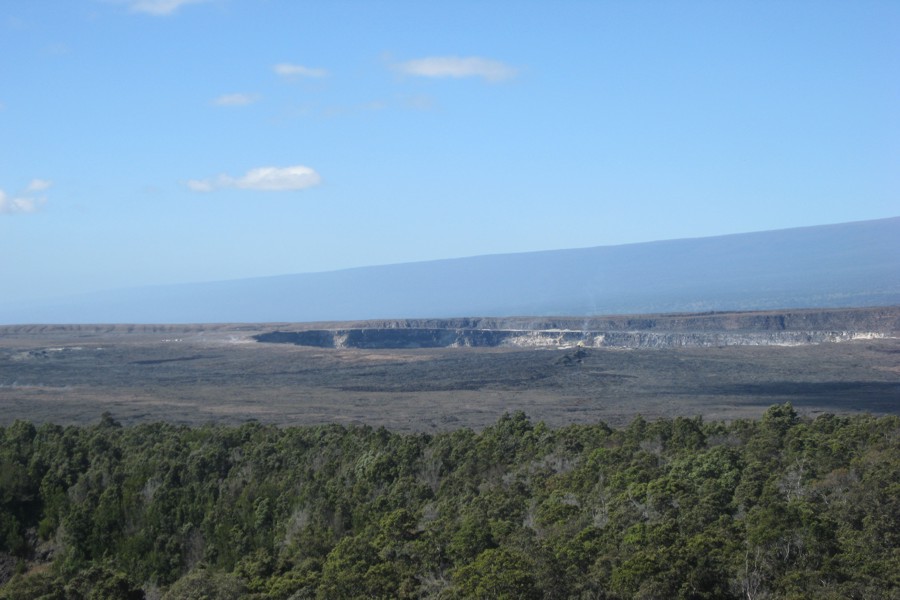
647,331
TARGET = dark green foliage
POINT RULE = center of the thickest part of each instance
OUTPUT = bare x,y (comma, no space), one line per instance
780,507
497,573
202,584
99,581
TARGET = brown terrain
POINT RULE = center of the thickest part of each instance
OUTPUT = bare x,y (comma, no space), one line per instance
441,374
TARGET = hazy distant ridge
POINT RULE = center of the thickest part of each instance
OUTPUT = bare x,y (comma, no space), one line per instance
845,265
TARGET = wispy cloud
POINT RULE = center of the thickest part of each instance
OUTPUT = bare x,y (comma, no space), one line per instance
419,102
269,179
292,70
38,185
10,206
27,202
347,110
458,67
159,8
236,99
57,49
201,185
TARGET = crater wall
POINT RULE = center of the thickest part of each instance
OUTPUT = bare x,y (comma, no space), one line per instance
644,331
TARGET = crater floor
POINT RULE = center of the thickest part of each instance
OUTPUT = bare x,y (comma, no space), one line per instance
218,373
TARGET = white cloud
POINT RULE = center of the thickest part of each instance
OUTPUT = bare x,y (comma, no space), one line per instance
20,205
159,8
419,102
290,70
270,179
57,49
337,110
275,179
28,201
38,185
458,67
199,185
236,99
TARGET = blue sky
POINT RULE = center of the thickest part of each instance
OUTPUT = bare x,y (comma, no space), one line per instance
163,141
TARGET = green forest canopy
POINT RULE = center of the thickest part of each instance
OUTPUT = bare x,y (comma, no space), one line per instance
777,507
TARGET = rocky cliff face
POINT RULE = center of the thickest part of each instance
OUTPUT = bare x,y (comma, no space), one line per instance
649,331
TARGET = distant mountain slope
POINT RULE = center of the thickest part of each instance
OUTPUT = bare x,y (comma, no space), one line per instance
850,264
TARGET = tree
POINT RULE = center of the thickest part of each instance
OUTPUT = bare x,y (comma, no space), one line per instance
498,574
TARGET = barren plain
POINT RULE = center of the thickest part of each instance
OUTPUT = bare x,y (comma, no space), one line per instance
195,374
